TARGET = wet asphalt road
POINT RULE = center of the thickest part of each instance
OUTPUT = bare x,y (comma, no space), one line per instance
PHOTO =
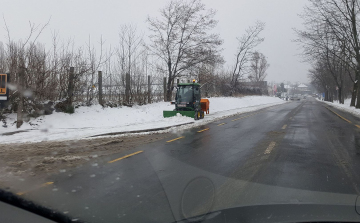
297,152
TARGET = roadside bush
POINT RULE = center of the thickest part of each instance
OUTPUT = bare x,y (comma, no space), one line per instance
64,106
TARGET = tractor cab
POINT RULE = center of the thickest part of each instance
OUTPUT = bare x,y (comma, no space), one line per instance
188,102
187,96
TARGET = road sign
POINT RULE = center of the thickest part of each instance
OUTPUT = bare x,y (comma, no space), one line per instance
3,84
4,91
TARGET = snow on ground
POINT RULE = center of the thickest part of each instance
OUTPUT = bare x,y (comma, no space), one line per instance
344,107
95,120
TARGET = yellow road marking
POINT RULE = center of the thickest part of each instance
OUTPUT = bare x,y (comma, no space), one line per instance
358,126
176,139
42,185
221,124
47,183
284,127
242,117
270,147
204,130
339,115
124,157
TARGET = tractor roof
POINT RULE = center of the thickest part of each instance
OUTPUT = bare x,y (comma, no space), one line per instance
188,84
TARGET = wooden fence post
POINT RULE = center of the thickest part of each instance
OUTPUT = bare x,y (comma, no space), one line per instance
164,88
149,90
70,90
127,88
100,88
20,88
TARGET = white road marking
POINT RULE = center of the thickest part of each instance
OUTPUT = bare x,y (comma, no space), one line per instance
284,127
270,147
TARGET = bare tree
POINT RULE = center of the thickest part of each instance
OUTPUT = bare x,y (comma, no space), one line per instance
180,38
128,53
247,42
332,31
258,67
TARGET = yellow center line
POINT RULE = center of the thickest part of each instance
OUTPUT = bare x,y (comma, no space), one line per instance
42,185
176,139
339,115
284,127
221,124
358,126
124,157
204,130
270,147
47,183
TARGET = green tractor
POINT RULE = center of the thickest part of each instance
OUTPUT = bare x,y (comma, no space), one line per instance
188,102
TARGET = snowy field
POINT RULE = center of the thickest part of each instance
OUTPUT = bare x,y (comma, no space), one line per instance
95,120
344,107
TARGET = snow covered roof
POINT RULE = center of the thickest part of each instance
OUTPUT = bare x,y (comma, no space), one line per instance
302,85
287,86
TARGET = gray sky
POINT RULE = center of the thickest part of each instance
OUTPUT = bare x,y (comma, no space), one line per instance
79,19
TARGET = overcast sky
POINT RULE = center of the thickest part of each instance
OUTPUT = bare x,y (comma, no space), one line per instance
79,19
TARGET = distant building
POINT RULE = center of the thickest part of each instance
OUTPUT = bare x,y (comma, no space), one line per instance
303,89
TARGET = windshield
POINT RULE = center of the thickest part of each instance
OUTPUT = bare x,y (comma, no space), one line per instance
178,110
185,94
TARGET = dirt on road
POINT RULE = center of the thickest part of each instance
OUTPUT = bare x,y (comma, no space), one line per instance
36,160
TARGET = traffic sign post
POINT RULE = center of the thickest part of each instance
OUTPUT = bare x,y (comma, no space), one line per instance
4,90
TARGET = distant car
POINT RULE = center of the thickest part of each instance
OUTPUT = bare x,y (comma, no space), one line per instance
295,97
304,97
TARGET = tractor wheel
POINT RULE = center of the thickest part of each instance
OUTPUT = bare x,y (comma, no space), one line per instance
197,115
202,114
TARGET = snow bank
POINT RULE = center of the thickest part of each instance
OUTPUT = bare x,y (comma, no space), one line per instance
95,120
344,107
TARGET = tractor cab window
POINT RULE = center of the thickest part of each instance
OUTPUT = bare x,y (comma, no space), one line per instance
184,94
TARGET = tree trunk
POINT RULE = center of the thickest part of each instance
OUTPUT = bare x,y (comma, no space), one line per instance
326,95
170,84
340,98
357,89
353,95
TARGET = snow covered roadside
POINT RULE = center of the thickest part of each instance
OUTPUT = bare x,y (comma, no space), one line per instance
95,120
344,107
